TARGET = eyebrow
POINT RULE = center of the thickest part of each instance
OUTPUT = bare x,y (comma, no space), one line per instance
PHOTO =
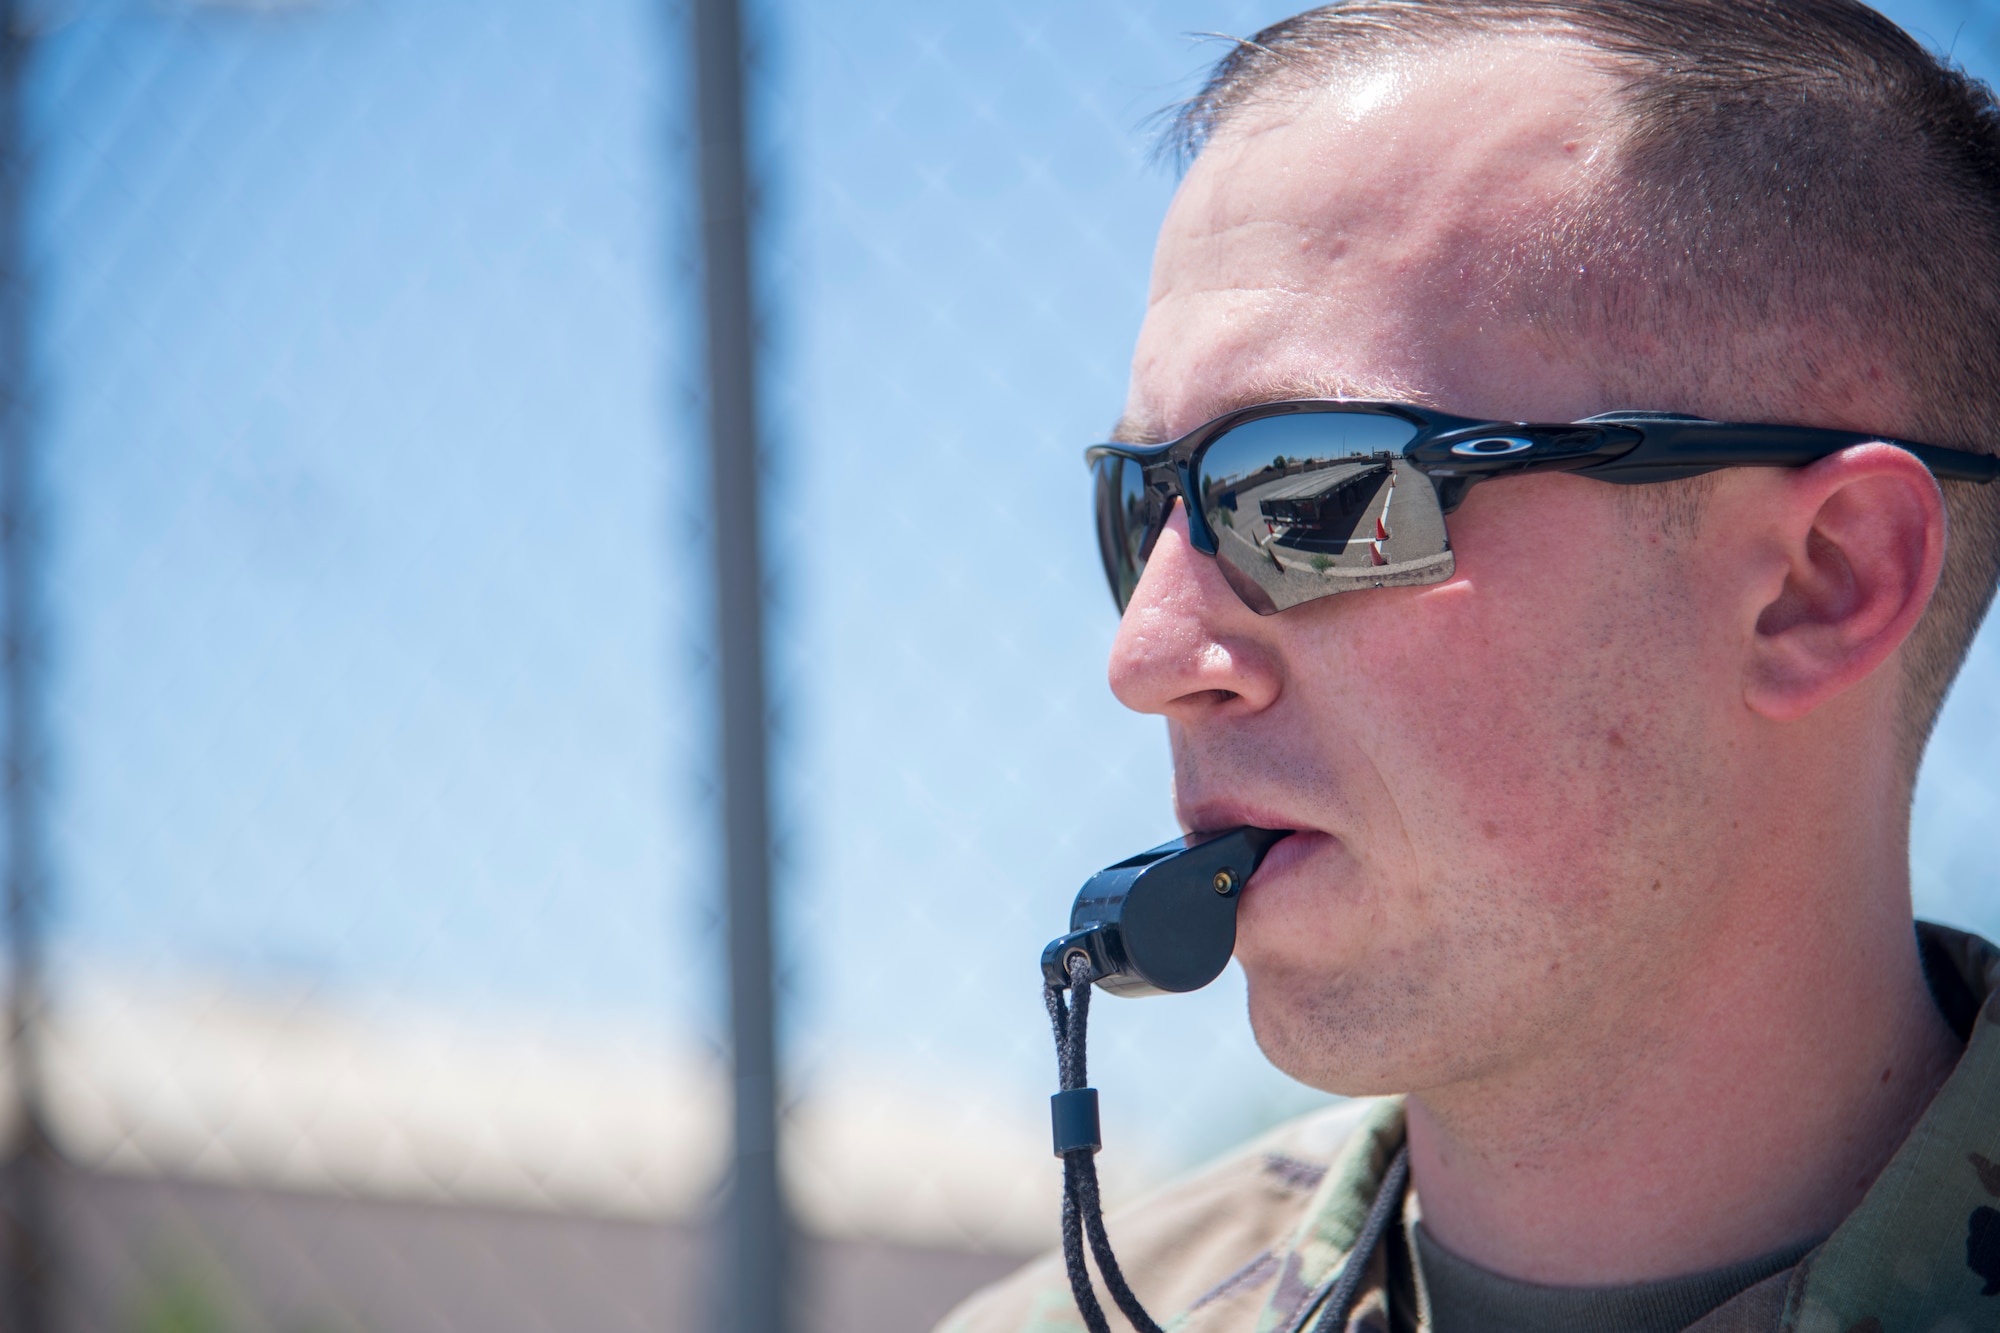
1143,428
1130,431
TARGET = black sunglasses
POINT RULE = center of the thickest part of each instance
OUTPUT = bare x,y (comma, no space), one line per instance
1303,499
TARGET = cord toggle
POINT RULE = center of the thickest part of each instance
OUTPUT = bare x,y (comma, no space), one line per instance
1073,1115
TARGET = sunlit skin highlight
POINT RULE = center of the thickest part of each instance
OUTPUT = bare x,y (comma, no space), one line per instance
1603,849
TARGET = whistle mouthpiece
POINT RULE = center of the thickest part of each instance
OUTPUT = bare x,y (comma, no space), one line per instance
1164,921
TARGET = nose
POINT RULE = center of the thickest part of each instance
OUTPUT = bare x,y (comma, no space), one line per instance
1188,648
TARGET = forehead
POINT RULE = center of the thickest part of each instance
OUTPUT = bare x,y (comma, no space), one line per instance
1369,240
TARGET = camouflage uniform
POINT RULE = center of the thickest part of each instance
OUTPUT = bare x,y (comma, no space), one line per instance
1247,1245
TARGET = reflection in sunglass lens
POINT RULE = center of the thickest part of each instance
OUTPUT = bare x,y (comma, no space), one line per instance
1307,504
1126,512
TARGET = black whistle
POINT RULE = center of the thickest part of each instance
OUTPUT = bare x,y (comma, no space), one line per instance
1163,921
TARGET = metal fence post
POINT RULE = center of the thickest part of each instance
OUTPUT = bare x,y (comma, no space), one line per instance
756,1268
30,1161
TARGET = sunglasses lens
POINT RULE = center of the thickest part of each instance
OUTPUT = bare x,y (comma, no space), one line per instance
1309,504
1126,513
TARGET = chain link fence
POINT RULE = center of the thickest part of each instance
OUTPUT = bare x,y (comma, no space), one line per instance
381,965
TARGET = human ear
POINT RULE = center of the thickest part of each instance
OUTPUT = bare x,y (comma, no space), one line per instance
1860,540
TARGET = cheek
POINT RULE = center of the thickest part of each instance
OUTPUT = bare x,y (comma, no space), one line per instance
1533,714
1515,766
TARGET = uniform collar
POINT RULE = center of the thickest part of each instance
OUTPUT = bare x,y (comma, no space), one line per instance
1923,1248
1334,1218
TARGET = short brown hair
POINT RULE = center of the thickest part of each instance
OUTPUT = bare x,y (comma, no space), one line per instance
1783,163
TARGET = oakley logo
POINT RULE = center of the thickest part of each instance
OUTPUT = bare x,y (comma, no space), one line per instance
1492,446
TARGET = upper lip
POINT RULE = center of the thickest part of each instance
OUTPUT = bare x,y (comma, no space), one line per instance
1216,816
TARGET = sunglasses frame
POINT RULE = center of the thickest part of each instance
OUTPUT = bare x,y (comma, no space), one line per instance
1455,453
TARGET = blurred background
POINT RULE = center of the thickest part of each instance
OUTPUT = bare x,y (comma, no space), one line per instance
362,802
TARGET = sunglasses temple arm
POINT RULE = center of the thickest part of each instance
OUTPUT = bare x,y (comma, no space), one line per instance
1957,465
1706,446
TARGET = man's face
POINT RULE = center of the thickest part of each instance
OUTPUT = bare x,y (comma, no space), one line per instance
1501,781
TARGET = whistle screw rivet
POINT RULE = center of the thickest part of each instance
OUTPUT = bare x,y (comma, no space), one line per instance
1224,881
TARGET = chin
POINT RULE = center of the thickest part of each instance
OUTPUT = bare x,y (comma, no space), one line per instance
1313,1029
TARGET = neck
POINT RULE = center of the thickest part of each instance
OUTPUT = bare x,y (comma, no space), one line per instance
1736,1099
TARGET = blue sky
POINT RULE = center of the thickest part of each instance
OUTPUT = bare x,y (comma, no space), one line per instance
375,512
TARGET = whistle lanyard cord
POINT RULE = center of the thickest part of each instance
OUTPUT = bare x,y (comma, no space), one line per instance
1083,1208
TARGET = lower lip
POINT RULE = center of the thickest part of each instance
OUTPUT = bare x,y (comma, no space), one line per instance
1295,850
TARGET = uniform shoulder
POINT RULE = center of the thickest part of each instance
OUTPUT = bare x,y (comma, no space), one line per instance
1202,1241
